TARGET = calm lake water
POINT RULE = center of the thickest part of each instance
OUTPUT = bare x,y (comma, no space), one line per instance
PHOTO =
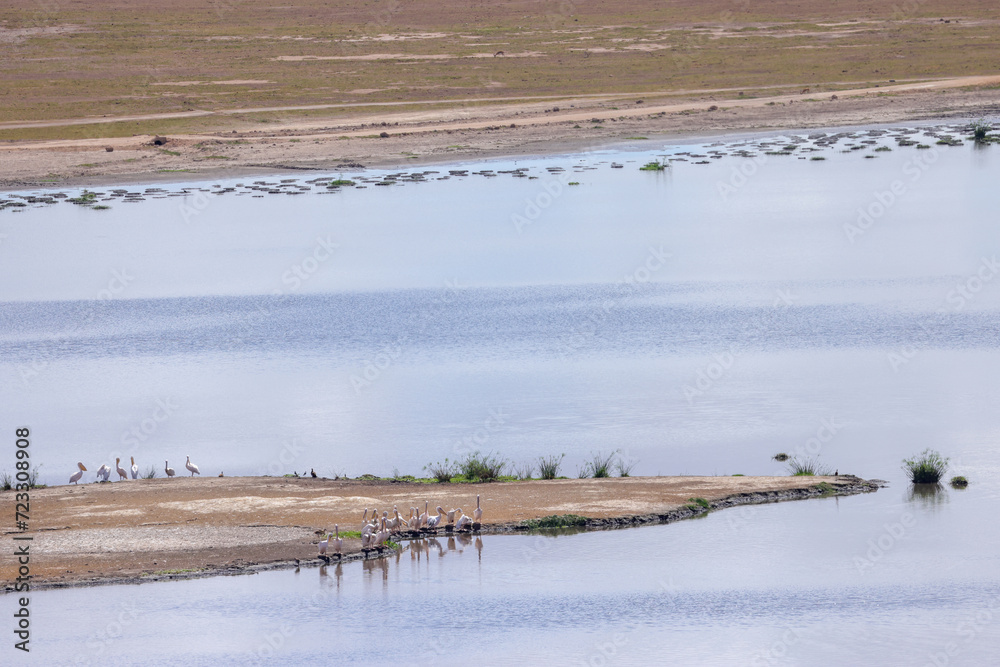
700,319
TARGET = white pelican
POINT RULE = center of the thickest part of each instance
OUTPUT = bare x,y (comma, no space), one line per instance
104,472
366,540
121,471
433,521
75,477
424,516
135,468
463,521
366,528
338,541
451,515
167,469
477,514
323,545
192,467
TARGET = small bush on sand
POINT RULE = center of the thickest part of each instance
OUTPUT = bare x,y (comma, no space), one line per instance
483,467
599,465
548,466
806,467
442,472
928,468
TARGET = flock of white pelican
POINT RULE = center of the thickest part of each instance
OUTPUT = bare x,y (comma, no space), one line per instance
104,472
376,530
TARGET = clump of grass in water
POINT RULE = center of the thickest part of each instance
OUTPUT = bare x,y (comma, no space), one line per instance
807,467
653,166
928,468
442,472
959,482
483,467
980,128
556,521
548,466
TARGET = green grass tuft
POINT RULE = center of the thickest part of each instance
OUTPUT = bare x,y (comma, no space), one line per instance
927,468
556,521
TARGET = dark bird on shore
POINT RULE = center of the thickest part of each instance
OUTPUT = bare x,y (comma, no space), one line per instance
836,473
312,472
221,475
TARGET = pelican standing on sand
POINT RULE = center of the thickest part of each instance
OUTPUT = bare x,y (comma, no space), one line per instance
192,467
75,477
121,471
338,541
104,472
477,514
323,545
463,521
433,521
135,468
451,515
167,469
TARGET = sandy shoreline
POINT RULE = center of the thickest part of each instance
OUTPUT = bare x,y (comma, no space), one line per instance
149,530
461,133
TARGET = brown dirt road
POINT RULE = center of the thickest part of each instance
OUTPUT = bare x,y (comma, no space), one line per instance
145,529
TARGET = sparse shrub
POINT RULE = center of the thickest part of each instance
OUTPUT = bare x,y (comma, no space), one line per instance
959,482
979,130
442,472
624,468
548,466
6,480
150,473
524,470
928,468
483,467
599,465
806,467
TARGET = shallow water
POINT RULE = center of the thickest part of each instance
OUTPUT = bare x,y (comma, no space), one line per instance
699,319
876,579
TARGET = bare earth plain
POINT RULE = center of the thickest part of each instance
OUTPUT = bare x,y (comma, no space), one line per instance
148,530
240,87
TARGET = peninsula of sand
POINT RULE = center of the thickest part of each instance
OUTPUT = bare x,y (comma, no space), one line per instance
148,530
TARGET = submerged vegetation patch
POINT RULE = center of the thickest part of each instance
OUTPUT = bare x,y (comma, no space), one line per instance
556,521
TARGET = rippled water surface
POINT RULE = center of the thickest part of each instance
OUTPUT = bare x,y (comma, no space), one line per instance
699,319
